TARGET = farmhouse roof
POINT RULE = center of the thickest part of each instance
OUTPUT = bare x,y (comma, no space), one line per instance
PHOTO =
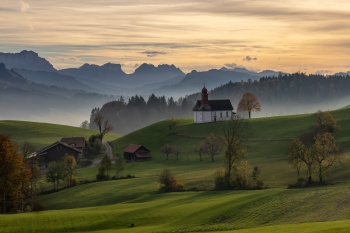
213,105
132,148
79,142
55,144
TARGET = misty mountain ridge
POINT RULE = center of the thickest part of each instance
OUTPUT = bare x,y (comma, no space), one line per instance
264,73
26,100
54,79
195,80
92,71
111,79
28,60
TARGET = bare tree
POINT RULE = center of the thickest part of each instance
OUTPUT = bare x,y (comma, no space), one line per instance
103,125
296,152
177,151
199,149
233,132
167,149
249,103
325,150
212,145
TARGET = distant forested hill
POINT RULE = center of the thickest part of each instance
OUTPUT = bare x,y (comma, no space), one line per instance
282,95
289,93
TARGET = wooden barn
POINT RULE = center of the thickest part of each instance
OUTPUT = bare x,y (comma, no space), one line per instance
79,143
55,152
136,153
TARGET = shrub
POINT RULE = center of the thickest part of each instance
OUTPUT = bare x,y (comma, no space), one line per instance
220,181
168,182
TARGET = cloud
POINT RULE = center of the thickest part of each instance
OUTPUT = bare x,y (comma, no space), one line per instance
249,58
24,6
231,65
63,59
153,53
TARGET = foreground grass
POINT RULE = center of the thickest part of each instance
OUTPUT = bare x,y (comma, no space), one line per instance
114,205
270,210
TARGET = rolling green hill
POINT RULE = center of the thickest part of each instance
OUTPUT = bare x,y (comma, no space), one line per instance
112,206
43,134
267,145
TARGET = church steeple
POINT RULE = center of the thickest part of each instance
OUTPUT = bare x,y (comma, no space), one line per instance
205,100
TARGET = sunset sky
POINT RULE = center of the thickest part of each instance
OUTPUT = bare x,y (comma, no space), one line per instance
311,36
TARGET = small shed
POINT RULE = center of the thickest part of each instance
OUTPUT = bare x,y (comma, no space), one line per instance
136,152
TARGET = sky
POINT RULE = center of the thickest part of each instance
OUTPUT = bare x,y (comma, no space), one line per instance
311,36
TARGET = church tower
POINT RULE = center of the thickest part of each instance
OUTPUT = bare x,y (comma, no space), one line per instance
205,101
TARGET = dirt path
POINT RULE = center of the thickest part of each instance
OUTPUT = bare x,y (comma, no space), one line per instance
108,149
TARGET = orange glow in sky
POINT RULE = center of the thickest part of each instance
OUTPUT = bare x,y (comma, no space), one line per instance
283,35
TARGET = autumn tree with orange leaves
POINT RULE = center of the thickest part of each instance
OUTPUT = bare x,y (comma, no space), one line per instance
14,176
249,103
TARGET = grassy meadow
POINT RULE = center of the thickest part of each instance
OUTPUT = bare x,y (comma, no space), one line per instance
43,134
112,206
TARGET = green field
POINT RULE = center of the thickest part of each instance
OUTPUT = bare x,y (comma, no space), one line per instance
43,134
112,206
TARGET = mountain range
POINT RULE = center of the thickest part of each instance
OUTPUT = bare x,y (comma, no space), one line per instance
111,79
32,89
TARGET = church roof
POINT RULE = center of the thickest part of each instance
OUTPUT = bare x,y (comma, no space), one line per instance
213,105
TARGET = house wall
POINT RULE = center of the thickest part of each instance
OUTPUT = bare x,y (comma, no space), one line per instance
211,116
202,116
221,115
56,154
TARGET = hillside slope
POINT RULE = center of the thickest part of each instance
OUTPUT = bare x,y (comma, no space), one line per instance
268,140
112,206
43,134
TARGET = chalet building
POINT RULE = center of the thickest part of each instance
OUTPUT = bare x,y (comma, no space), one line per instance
55,152
136,153
76,142
207,110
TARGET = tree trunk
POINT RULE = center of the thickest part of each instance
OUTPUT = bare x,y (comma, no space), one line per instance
320,174
249,114
309,173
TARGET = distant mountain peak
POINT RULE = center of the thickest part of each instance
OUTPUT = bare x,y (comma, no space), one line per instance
112,66
144,67
27,60
107,66
29,52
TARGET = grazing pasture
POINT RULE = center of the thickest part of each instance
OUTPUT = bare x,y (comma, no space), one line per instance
117,205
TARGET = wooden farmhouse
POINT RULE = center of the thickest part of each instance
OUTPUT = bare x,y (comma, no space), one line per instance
136,153
76,142
207,110
55,152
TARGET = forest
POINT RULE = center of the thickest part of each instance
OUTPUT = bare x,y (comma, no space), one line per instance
283,92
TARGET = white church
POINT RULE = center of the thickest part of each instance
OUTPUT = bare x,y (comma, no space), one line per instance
207,110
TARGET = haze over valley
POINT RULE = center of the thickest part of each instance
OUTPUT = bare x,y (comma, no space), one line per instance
36,91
